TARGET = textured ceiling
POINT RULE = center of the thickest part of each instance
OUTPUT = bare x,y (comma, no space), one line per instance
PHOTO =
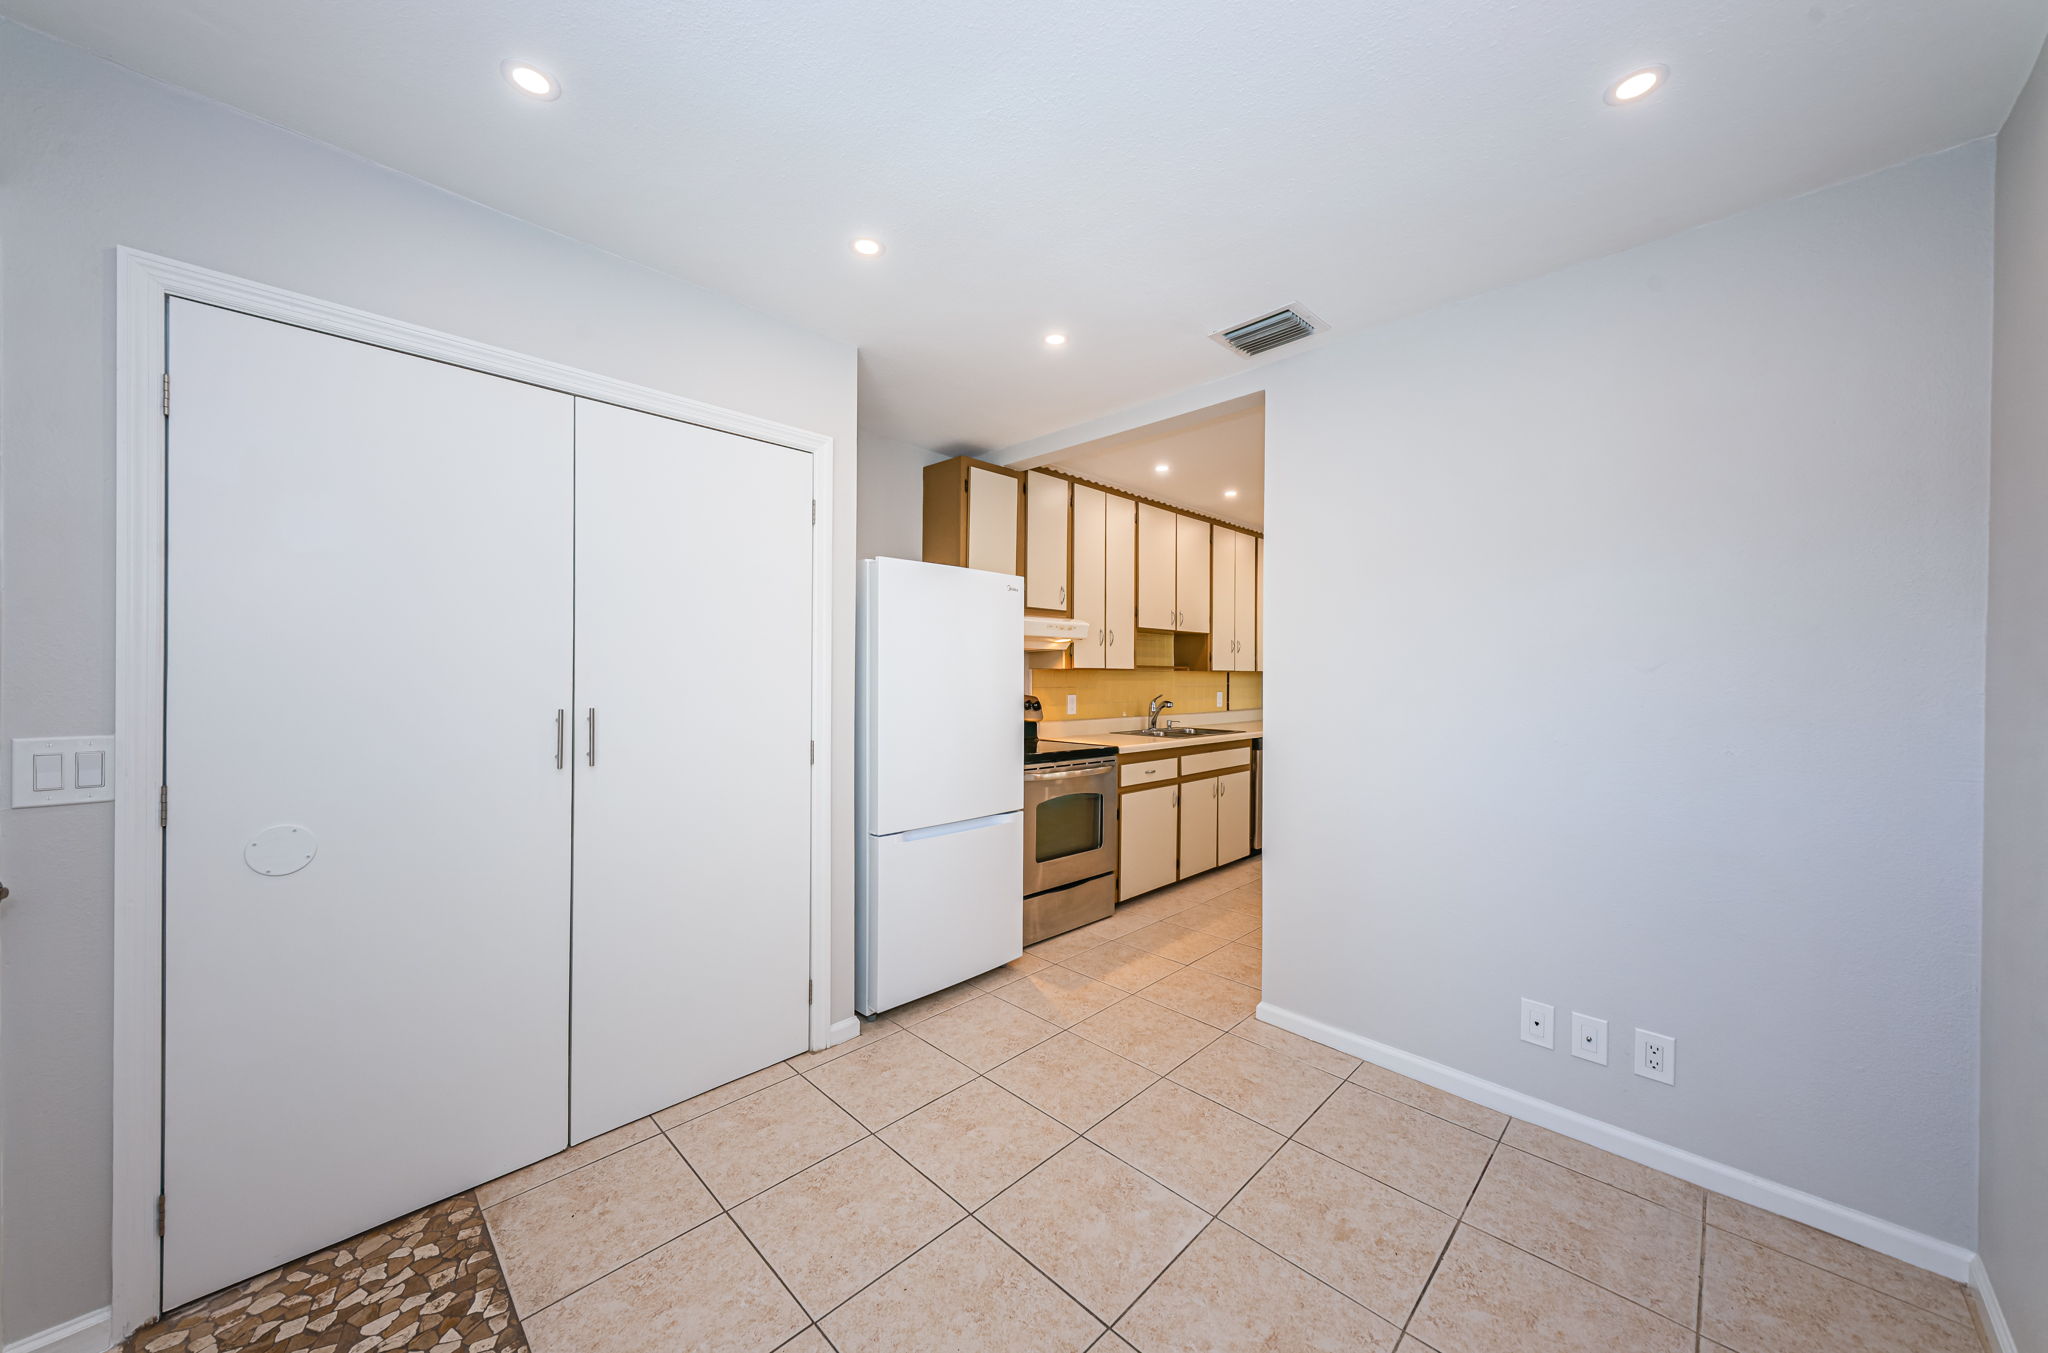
1135,174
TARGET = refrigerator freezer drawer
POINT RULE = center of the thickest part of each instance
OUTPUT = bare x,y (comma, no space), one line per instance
938,906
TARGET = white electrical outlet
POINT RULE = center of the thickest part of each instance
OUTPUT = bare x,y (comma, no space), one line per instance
1538,1020
1656,1056
1073,704
1219,699
1589,1038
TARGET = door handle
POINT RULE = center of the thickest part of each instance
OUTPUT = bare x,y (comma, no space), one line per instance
591,737
561,738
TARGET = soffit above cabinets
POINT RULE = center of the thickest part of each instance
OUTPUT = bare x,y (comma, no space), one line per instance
1222,448
1092,169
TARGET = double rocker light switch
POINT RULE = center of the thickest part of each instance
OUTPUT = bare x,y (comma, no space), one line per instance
62,770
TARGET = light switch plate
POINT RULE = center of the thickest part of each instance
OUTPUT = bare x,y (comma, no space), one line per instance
26,750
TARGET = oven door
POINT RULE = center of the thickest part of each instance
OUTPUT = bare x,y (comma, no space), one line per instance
1069,825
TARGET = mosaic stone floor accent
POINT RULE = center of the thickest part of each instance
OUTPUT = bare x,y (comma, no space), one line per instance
427,1281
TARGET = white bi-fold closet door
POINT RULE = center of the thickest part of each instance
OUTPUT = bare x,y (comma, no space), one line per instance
418,930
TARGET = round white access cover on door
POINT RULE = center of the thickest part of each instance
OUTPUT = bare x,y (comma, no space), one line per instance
283,849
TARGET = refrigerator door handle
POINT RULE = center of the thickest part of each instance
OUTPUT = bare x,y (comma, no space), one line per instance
951,828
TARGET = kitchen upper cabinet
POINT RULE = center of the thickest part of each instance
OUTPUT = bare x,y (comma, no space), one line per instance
1158,531
1198,825
1234,602
1149,840
1191,574
1105,564
1233,816
1047,504
974,515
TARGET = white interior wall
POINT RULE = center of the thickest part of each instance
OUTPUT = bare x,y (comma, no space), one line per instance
892,497
1650,598
99,157
2013,1194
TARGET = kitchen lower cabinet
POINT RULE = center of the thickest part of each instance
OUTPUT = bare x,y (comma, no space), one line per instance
1233,816
1149,832
1198,826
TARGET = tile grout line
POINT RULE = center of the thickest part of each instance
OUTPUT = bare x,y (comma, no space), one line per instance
1853,1282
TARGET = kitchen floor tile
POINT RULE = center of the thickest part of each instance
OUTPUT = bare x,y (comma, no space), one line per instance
966,1292
1169,939
1238,962
910,1013
984,1032
871,1033
1060,948
1219,916
810,1341
1489,1297
1338,1064
1476,1117
1228,1292
1916,1286
1060,995
1150,1035
1008,973
1073,1080
897,1076
1420,1154
1257,1082
699,1105
558,1236
1194,1146
705,1290
1094,1225
761,1140
1373,1243
1640,1180
1207,997
559,1164
976,1141
1124,966
1628,1245
1757,1300
845,1222
1255,937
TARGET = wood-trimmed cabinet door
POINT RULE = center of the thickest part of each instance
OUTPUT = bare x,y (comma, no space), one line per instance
1246,659
1120,581
1090,576
1233,816
992,499
1148,835
1158,546
1198,826
1222,600
1191,574
1048,508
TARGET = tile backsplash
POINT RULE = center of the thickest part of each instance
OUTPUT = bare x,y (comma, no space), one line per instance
1120,694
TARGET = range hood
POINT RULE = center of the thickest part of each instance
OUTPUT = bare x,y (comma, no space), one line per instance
1047,634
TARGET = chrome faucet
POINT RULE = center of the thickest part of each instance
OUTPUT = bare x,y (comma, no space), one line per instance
1152,712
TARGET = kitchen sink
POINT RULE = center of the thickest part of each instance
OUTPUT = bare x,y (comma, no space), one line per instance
1192,733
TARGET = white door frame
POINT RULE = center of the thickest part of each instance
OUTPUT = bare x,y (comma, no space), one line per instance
144,284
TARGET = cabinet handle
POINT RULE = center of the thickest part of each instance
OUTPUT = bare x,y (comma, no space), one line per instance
592,749
1063,594
561,738
1112,638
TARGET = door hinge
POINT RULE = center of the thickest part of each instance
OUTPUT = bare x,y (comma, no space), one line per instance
814,511
167,394
159,1216
163,805
814,751
811,991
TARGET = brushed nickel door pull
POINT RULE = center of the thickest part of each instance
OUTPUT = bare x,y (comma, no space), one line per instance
592,736
561,738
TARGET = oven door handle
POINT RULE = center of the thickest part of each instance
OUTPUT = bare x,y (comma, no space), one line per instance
1069,774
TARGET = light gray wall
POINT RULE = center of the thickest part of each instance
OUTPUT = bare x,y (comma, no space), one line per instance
2013,1191
1651,594
98,157
892,497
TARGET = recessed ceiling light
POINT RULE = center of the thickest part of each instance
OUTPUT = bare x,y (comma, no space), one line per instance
531,80
866,247
1630,88
1230,493
1161,469
1055,340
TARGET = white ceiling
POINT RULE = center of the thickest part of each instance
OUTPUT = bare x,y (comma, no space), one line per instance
1136,174
1205,452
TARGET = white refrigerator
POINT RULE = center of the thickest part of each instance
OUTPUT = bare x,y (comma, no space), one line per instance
939,763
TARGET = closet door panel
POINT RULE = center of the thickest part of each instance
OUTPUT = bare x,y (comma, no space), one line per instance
366,864
692,844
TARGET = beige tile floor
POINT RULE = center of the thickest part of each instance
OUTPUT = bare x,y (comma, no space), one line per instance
1097,1147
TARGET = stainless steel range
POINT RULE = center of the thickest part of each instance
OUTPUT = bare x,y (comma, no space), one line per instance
1070,840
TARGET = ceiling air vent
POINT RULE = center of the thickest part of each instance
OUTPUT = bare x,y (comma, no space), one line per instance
1268,332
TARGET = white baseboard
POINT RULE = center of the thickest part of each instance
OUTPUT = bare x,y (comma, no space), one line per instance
1987,1308
1920,1250
843,1030
92,1332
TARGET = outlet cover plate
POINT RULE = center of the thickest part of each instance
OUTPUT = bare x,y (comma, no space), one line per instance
1589,1038
1656,1056
1539,1023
